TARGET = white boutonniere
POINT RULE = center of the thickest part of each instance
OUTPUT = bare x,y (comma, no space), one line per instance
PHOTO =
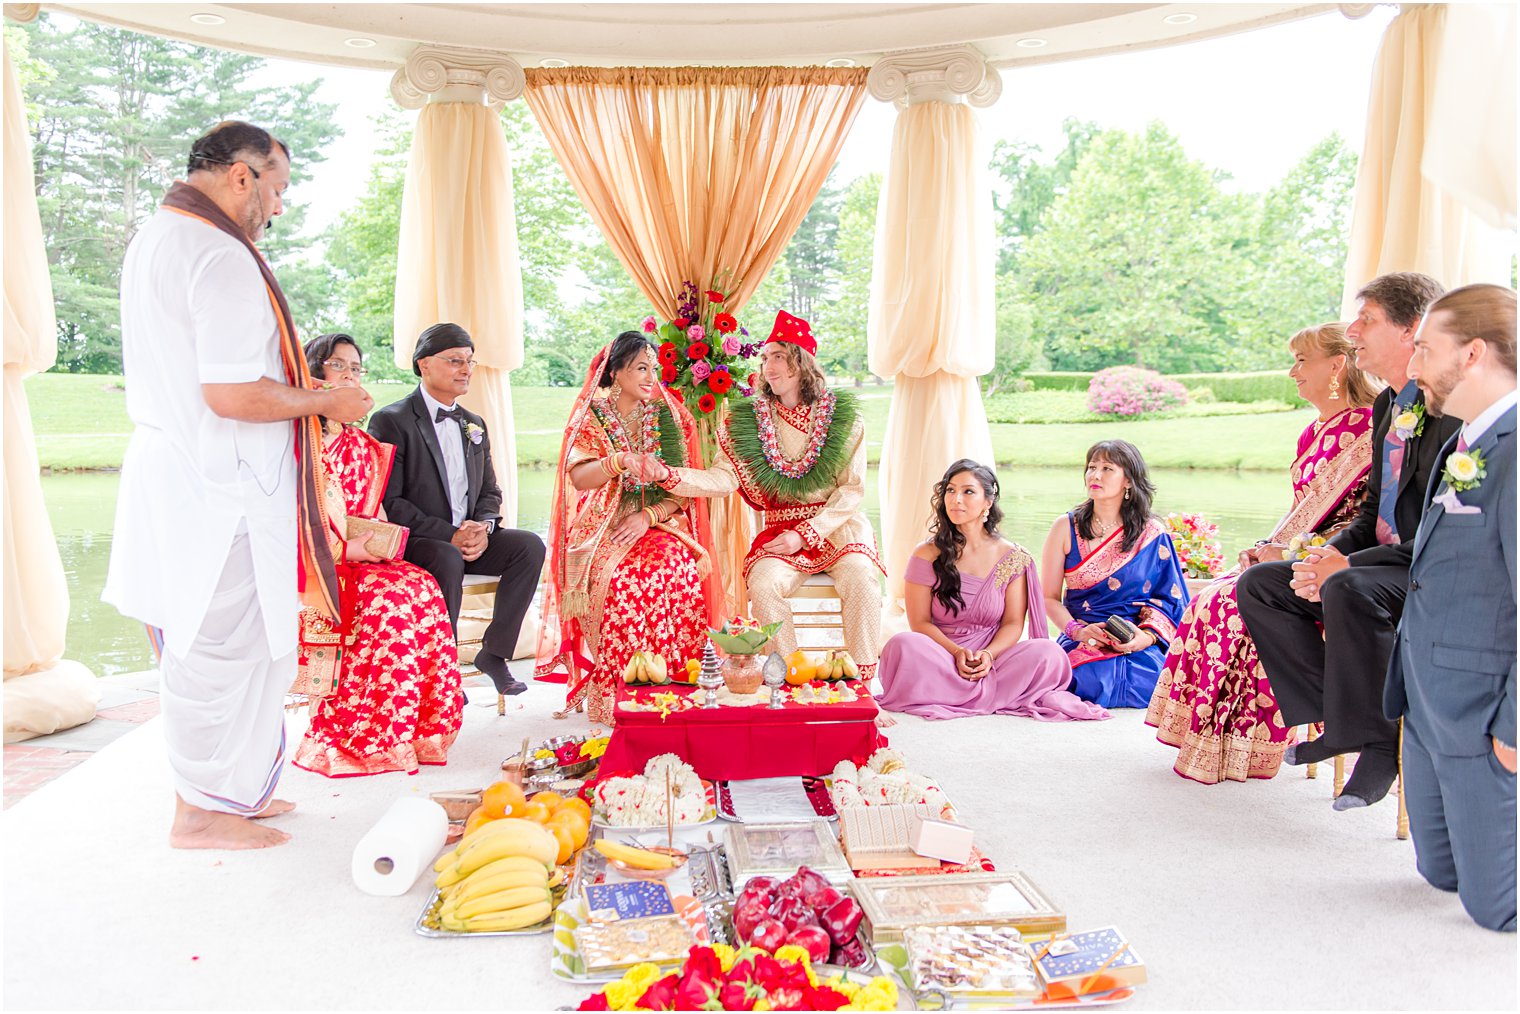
475,432
1410,422
1464,470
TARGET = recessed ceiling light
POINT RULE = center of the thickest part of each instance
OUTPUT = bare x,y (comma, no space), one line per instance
1031,43
208,19
839,62
360,43
553,62
1180,18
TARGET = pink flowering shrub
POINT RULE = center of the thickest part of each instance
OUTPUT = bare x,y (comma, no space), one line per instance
1132,391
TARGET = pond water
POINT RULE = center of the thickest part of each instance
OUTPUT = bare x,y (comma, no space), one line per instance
82,507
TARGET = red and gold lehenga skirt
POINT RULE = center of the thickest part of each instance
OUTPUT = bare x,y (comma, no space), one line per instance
654,603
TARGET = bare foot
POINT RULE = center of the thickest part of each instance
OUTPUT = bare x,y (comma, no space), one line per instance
195,828
274,809
884,720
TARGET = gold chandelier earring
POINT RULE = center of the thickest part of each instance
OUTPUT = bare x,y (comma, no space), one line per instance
614,393
1335,387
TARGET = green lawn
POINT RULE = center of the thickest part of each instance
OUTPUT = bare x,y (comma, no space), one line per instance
81,423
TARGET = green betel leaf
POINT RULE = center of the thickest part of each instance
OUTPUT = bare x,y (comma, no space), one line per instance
832,458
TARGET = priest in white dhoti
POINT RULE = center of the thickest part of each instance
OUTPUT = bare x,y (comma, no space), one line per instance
219,530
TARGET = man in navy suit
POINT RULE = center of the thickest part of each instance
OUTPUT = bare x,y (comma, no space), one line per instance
443,488
1452,674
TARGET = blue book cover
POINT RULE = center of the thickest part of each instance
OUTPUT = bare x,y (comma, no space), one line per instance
1075,956
632,899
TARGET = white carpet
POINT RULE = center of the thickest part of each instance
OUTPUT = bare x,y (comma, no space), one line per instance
1237,896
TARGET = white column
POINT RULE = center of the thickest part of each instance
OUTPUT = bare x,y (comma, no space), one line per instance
457,253
43,691
932,316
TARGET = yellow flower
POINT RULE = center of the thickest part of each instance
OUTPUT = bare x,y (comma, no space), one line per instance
541,754
1406,420
642,975
725,955
845,986
763,1004
1462,467
621,994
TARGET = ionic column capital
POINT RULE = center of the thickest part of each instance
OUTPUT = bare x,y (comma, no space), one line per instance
432,70
24,13
946,74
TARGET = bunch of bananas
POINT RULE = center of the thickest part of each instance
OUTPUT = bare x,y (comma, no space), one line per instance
645,667
837,665
499,877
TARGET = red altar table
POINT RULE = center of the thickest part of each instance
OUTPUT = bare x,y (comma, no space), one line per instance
753,742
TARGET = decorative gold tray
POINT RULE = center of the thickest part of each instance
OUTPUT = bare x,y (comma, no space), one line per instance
893,904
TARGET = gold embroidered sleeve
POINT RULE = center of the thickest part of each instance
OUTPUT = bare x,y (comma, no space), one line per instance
1011,566
719,479
845,501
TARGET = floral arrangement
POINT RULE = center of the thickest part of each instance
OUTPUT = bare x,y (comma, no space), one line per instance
1465,470
1410,422
743,636
1132,391
1197,542
702,349
721,977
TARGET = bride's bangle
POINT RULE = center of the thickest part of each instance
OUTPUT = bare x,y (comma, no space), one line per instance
653,514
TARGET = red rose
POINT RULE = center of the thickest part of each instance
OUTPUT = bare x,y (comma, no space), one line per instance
660,995
707,403
669,353
726,323
680,323
735,996
596,1001
720,381
790,998
704,960
753,380
824,998
713,296
668,373
697,350
696,990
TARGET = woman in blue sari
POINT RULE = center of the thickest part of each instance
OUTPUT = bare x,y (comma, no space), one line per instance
1111,557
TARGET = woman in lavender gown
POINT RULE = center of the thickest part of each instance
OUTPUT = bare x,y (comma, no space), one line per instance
970,595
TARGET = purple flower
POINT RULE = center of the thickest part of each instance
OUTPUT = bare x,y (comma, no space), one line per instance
700,370
695,333
746,350
649,325
730,345
745,390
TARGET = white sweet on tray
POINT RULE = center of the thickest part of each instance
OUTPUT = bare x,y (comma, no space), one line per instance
884,780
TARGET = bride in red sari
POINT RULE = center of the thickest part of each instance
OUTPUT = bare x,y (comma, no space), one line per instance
384,694
630,567
1213,701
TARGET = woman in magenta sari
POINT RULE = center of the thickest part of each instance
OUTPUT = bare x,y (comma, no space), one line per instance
970,594
1111,557
1213,701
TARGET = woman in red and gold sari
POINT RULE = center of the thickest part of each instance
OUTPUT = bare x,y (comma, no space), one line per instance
384,692
630,566
1213,701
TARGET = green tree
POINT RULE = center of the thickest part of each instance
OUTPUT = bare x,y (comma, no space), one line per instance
811,261
843,318
112,130
1136,260
1023,186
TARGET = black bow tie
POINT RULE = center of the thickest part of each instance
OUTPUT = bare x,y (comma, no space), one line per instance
456,413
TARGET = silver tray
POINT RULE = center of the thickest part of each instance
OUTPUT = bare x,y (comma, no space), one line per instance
438,933
892,960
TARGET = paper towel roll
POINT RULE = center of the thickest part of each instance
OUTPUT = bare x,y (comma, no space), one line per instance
400,847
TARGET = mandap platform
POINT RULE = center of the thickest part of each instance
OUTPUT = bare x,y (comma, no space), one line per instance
726,743
1237,896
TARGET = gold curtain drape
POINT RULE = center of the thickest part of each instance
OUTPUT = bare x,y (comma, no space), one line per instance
43,693
690,171
456,260
931,323
1404,218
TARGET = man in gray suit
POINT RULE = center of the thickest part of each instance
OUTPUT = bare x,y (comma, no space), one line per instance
1452,674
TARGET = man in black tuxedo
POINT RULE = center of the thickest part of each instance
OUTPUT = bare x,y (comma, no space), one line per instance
1355,586
444,489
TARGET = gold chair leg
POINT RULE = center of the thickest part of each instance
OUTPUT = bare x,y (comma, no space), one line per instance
1340,774
501,704
1312,770
1401,830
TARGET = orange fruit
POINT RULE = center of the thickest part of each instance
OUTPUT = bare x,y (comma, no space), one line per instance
579,828
566,839
503,799
478,816
549,799
578,805
535,811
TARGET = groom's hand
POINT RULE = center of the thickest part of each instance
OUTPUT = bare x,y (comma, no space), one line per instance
785,544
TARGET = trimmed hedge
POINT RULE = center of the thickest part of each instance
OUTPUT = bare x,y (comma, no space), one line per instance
1266,385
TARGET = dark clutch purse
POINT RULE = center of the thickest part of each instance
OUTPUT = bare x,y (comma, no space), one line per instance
1120,629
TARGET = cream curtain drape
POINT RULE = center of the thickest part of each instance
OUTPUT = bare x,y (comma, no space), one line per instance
457,261
1432,171
42,692
693,171
931,323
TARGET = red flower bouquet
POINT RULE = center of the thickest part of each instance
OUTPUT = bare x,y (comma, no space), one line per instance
701,352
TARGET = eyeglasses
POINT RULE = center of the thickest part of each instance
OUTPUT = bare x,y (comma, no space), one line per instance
217,161
458,364
339,366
